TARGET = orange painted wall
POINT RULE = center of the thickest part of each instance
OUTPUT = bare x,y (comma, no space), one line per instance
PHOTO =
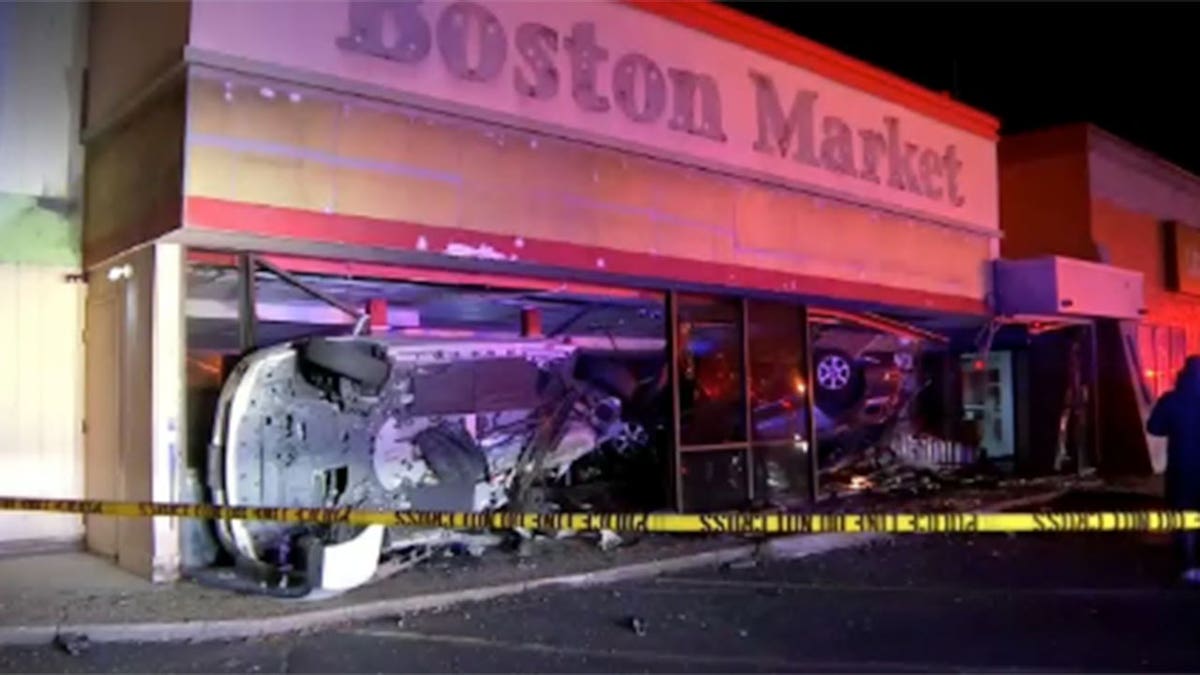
1044,207
1135,241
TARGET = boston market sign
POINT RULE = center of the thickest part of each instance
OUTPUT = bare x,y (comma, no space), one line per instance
614,74
474,46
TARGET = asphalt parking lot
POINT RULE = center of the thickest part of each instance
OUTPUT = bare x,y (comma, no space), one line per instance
1095,602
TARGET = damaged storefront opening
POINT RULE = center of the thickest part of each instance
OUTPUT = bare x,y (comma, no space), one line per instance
455,402
507,393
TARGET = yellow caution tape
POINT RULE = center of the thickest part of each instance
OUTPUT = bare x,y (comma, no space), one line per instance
739,523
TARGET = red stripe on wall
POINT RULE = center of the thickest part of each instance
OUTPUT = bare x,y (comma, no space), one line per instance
286,223
419,275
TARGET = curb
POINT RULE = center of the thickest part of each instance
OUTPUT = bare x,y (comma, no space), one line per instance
230,629
790,547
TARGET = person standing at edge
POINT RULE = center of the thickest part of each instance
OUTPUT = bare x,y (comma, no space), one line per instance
1176,416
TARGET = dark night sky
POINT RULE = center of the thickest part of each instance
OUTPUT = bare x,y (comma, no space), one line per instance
1129,68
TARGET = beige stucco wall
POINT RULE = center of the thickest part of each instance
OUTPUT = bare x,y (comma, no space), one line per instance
41,353
267,143
42,49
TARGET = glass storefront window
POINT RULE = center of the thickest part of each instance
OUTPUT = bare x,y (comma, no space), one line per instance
714,480
779,391
778,387
1162,356
782,475
1178,347
1162,351
745,439
712,407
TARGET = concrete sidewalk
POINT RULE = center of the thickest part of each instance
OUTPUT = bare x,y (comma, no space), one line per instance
42,597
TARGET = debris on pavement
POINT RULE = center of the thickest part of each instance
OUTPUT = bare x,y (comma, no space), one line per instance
919,465
609,540
73,644
930,451
859,483
743,564
638,625
882,470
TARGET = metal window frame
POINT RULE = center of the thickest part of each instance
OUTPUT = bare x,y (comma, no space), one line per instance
750,446
1093,459
747,406
248,265
676,462
814,463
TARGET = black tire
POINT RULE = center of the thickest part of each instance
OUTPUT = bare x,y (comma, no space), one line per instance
838,379
613,377
452,454
359,361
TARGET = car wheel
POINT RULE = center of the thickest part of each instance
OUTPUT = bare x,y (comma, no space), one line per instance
839,381
452,454
361,362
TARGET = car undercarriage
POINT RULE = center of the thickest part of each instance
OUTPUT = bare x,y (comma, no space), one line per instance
396,424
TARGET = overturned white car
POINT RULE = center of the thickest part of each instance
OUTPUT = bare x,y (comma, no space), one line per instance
393,423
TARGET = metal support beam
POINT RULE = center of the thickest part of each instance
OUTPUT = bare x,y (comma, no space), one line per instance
247,319
810,420
673,366
377,310
531,322
361,317
1093,460
747,411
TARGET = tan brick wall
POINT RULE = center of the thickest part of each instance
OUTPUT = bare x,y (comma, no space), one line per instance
364,159
1044,195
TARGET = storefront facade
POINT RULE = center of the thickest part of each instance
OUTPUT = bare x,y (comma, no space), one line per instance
674,149
1080,192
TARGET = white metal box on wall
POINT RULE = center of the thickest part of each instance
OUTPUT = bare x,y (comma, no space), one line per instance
1067,286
